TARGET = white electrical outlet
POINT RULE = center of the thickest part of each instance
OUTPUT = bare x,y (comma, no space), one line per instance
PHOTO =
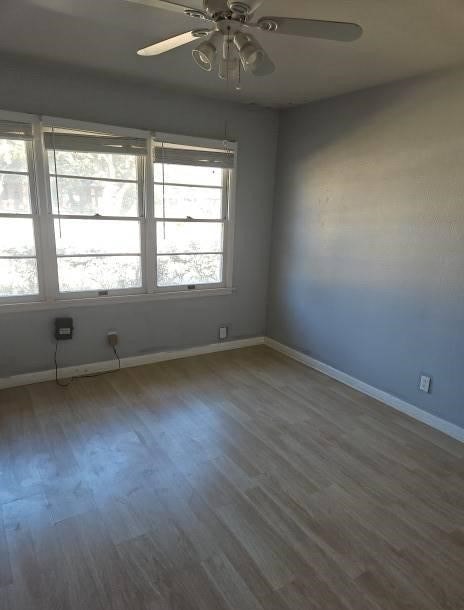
424,384
223,333
112,338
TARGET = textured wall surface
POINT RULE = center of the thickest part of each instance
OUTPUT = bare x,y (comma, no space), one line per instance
367,270
26,338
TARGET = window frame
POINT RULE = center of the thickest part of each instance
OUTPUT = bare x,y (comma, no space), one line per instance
49,295
227,212
139,181
34,214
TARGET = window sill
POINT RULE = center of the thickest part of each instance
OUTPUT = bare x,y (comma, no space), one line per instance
114,300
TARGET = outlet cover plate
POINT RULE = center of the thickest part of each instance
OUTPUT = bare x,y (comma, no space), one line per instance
113,338
424,385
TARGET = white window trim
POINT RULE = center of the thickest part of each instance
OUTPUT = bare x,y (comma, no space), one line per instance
114,300
34,214
49,296
229,198
56,296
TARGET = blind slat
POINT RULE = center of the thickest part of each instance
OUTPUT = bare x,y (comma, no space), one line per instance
97,144
172,155
10,130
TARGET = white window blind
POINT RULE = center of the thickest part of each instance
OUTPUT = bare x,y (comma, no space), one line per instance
12,130
59,140
175,154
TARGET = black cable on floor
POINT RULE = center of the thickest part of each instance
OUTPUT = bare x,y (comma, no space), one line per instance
65,385
117,356
58,382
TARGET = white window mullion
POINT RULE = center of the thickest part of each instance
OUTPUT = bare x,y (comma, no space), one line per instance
150,224
35,210
142,208
46,247
229,225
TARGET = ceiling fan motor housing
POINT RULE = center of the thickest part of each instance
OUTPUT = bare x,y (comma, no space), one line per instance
243,7
239,7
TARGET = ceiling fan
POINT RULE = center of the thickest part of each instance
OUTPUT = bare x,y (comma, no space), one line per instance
229,42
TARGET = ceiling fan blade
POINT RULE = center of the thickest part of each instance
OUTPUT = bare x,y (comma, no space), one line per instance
168,6
312,28
264,67
254,6
171,43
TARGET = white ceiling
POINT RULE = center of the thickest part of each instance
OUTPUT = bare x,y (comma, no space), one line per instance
401,38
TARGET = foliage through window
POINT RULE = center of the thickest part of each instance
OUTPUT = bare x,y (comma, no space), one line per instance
108,220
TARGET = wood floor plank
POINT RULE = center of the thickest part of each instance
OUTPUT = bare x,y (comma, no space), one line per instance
230,584
261,542
232,480
6,577
32,552
236,552
4,598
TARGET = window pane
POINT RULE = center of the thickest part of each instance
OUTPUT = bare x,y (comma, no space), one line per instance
93,165
180,202
189,237
18,277
13,155
97,236
188,174
89,197
99,273
177,270
17,237
14,194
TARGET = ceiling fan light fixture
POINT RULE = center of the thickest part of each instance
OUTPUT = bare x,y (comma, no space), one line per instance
249,51
251,55
230,43
205,54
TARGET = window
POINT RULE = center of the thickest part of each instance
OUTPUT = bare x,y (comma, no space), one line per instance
97,207
18,258
92,212
191,214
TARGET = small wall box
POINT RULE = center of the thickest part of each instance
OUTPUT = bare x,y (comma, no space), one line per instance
64,329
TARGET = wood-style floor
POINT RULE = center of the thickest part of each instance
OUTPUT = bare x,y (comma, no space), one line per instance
238,481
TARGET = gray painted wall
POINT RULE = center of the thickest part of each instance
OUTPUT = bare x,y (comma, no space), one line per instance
367,270
25,338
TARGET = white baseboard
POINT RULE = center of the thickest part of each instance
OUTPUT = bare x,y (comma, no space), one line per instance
99,367
392,401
